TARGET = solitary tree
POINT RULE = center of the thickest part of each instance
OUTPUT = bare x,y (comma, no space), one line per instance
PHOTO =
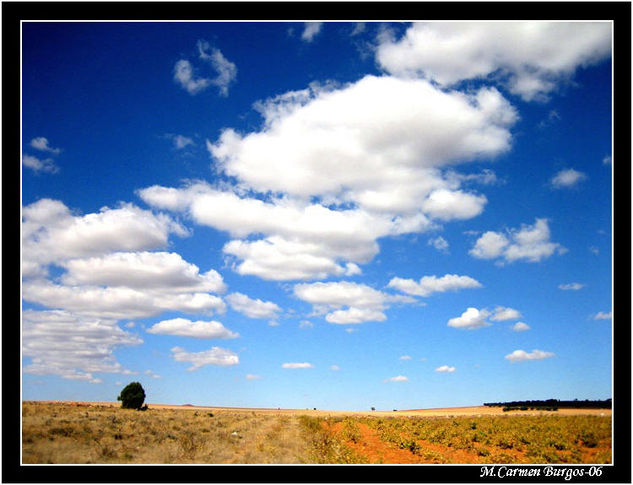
132,396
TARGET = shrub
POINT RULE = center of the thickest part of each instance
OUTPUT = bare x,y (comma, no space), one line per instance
132,396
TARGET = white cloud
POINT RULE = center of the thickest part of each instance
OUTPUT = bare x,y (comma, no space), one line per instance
154,271
335,367
502,314
70,346
530,243
252,377
226,70
571,286
471,319
520,327
603,316
364,139
439,243
214,356
184,75
567,178
405,357
41,143
311,30
354,315
490,245
252,308
335,168
432,284
186,328
118,302
181,141
446,369
606,160
398,379
52,234
47,165
306,324
341,293
297,365
522,355
531,59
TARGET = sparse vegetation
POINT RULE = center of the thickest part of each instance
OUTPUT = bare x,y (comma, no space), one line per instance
80,433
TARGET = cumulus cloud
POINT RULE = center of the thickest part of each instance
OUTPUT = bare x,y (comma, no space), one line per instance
118,302
520,327
571,286
471,319
530,59
252,308
567,178
297,365
334,168
432,284
446,369
37,165
522,355
186,328
502,314
52,233
362,139
70,346
355,315
214,356
154,271
311,30
345,302
530,243
405,357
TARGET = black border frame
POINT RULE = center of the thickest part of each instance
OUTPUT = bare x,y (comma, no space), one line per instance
14,12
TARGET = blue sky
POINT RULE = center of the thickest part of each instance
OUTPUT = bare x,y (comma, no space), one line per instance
331,215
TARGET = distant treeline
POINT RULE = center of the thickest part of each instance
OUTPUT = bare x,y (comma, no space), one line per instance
554,403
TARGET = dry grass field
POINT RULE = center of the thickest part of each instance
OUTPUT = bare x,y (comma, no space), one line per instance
74,432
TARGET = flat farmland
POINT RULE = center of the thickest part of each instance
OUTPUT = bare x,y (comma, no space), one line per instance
102,432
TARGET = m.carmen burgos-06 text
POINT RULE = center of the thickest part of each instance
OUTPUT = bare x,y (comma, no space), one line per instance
548,471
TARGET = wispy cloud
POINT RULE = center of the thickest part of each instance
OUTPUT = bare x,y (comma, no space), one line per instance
225,70
567,178
41,143
297,365
37,165
571,286
311,30
520,327
397,379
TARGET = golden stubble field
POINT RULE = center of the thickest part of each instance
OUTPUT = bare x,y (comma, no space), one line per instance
102,432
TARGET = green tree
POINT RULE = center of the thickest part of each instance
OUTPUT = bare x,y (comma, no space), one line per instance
132,396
